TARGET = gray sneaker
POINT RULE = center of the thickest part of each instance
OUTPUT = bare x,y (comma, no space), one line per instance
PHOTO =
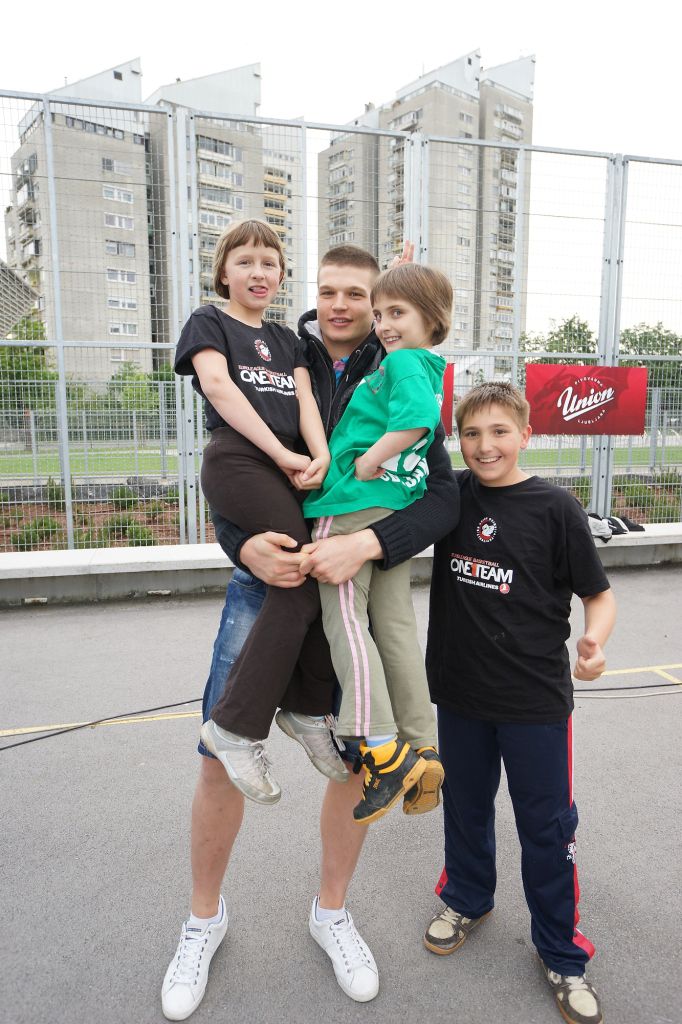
449,930
316,739
576,998
245,762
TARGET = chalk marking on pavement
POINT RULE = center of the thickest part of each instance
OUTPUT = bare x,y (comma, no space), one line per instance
659,670
133,720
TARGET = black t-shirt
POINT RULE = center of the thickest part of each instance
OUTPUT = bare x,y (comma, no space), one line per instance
261,361
501,599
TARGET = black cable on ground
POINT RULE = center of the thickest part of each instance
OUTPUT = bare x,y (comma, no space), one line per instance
98,721
601,692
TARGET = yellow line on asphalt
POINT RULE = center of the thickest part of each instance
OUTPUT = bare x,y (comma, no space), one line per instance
118,721
634,671
659,670
666,675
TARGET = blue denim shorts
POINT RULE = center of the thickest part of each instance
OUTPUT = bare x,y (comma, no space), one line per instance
243,600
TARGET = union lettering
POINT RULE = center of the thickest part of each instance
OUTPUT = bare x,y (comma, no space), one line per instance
572,406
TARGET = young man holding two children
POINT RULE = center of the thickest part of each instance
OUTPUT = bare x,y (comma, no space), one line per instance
342,349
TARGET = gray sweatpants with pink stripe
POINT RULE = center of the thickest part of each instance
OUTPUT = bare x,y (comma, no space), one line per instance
382,677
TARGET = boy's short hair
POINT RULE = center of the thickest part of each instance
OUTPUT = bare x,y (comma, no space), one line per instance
256,232
350,256
426,289
494,392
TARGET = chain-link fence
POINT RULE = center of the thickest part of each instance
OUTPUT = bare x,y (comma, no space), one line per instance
111,216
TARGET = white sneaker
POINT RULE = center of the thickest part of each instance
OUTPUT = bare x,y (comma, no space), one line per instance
354,966
315,737
185,982
244,760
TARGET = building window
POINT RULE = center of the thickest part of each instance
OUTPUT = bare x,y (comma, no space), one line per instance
214,220
118,76
116,327
114,248
466,118
117,303
119,195
114,220
115,166
461,240
121,276
219,146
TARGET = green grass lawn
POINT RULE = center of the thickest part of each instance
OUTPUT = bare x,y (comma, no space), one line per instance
121,463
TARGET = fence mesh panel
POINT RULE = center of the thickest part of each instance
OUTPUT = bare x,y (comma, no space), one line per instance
111,216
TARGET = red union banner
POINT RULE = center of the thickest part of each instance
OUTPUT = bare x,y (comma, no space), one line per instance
586,399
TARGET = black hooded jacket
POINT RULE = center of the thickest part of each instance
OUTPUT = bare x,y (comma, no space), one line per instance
405,533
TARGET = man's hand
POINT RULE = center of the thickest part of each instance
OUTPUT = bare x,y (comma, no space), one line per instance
591,661
336,559
406,257
264,556
312,477
367,469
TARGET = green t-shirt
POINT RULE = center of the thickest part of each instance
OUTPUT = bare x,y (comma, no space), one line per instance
406,391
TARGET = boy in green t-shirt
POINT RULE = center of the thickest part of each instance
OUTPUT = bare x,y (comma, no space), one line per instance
378,466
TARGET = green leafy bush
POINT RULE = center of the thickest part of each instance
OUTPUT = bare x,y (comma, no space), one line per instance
34,532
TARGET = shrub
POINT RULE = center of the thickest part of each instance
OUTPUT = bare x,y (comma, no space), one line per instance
582,489
54,495
153,510
35,532
123,497
139,536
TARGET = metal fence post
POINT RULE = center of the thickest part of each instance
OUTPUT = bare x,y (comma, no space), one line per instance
186,418
653,426
519,243
603,454
60,389
424,207
412,193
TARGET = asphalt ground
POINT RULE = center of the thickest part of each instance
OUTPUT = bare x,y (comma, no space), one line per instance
94,866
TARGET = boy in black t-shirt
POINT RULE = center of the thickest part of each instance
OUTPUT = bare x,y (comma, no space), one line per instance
254,378
499,672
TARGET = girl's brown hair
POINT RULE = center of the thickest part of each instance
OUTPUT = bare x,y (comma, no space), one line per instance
254,232
426,289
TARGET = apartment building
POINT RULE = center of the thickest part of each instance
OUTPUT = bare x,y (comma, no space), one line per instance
127,197
467,194
101,211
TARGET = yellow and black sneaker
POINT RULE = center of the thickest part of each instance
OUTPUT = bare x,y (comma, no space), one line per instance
425,796
390,770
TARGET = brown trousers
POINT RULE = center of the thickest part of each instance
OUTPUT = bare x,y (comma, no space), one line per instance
285,660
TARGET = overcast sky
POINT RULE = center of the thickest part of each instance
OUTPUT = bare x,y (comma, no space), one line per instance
607,73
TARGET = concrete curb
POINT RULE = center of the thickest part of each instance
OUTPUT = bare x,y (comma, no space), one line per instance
101,574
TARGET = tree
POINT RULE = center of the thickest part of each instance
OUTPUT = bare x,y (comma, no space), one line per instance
132,388
643,340
27,382
571,335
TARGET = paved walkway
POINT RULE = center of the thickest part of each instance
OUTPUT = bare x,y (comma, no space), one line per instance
94,841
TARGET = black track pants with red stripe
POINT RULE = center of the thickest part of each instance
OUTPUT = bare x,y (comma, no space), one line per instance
538,760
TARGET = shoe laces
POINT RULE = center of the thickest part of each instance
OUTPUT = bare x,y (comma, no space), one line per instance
254,762
321,740
350,944
573,982
187,958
